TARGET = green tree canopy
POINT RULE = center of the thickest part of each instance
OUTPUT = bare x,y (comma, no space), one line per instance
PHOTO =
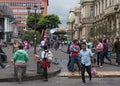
43,21
59,33
30,36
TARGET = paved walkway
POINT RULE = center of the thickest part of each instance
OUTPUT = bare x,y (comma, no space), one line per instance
99,74
108,70
7,74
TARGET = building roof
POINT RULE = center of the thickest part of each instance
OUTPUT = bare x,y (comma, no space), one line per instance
61,29
6,11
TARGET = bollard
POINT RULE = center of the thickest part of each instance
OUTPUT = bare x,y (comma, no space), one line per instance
39,67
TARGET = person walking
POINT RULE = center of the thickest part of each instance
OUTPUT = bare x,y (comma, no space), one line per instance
15,46
105,51
45,62
20,58
86,57
116,47
99,49
74,56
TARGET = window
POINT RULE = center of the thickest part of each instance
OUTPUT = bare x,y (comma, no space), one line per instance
91,11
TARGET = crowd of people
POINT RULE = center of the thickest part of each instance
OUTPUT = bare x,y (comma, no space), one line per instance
21,56
87,54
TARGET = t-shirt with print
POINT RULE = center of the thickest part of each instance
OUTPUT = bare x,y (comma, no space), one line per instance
75,50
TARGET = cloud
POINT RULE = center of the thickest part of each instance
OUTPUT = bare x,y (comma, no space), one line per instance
61,8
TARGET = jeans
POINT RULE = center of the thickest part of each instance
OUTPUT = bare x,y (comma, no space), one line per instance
88,69
118,58
45,73
73,60
106,56
69,61
100,58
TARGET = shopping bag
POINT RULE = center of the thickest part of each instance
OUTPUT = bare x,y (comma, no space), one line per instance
94,71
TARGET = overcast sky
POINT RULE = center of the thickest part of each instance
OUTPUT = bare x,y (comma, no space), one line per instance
61,8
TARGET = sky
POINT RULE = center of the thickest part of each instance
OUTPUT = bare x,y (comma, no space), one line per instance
61,8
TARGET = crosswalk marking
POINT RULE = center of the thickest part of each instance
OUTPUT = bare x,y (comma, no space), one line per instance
99,73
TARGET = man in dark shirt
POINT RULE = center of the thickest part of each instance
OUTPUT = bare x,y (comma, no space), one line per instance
117,50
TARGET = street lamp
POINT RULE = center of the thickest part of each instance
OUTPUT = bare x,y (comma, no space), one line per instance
35,15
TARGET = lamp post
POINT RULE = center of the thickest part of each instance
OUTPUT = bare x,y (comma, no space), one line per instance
35,16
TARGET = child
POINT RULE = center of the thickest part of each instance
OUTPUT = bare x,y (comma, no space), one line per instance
94,55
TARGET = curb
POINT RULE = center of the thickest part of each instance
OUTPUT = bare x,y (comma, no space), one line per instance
30,78
97,76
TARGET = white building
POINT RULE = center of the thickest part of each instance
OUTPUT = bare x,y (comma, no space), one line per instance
7,25
95,19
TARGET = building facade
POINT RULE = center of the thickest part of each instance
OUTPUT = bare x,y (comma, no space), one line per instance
96,19
7,27
20,11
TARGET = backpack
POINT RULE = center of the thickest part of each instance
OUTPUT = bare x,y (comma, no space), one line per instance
105,47
48,55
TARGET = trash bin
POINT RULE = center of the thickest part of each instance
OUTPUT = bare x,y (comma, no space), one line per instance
39,67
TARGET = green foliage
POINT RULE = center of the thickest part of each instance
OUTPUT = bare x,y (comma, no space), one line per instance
30,35
59,33
63,38
43,21
31,20
92,32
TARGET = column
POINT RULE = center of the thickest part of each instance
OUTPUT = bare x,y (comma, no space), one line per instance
5,28
70,30
117,24
100,6
95,10
104,4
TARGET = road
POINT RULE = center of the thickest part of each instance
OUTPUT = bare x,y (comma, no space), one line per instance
64,81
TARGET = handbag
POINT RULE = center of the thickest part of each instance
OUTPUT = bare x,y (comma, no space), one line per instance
45,64
94,71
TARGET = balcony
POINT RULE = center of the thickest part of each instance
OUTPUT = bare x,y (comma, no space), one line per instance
111,10
87,20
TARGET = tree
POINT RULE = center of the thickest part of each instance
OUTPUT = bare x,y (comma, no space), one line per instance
59,33
43,21
30,35
31,20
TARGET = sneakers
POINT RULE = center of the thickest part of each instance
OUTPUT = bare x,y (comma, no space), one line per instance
101,66
6,66
83,84
45,80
